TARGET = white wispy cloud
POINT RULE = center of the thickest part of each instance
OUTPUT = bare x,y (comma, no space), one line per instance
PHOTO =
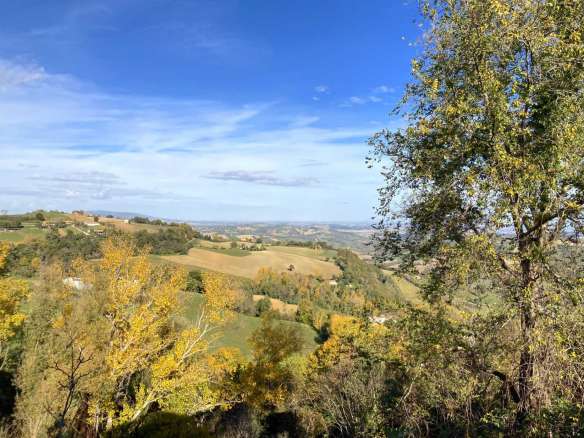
302,121
321,88
14,75
360,100
357,100
383,89
66,144
262,177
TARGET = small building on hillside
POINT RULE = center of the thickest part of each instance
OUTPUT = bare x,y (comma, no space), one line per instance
247,238
381,319
75,283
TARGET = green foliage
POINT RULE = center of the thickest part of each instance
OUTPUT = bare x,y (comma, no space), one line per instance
361,288
68,247
175,240
262,306
346,399
494,145
158,222
10,224
321,244
367,279
195,282
24,260
269,379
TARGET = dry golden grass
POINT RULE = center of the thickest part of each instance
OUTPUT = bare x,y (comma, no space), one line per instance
80,217
279,305
248,266
121,225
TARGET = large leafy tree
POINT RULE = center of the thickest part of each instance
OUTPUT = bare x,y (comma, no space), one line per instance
487,181
106,349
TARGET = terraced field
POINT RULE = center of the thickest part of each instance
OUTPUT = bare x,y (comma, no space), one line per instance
249,265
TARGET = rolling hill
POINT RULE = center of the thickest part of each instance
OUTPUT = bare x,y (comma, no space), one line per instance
248,266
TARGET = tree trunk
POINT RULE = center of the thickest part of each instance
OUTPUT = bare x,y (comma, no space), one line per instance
526,360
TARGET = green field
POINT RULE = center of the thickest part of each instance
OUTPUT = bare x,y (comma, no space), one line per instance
22,235
237,332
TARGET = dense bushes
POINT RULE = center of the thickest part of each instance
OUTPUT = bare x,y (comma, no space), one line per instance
360,288
69,246
308,244
174,240
25,259
366,279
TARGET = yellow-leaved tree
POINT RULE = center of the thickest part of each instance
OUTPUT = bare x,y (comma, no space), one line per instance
12,293
118,343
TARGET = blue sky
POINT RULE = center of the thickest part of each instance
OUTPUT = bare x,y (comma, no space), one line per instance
204,110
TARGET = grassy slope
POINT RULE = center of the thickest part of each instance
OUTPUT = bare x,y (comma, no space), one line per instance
463,300
249,265
237,332
22,235
409,291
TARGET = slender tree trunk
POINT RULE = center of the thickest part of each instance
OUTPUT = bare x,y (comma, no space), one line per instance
526,359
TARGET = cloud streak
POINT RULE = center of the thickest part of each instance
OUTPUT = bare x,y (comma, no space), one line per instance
267,178
15,75
383,89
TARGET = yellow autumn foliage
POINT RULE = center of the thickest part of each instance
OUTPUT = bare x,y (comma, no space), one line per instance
12,293
139,349
221,297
